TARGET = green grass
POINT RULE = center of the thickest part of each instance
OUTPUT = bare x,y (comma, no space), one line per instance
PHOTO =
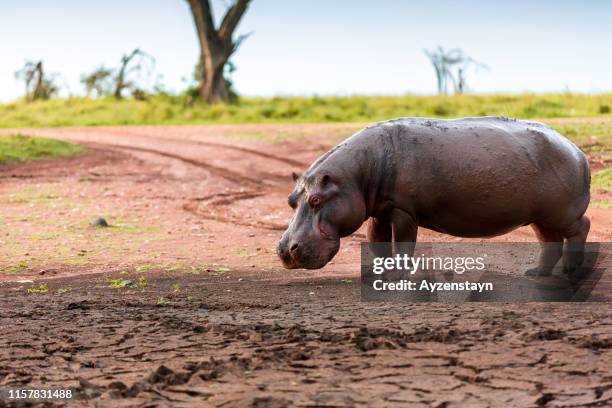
120,283
17,148
164,109
603,204
593,136
602,180
14,269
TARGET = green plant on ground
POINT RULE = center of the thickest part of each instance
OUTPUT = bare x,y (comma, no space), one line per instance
145,268
162,301
602,180
219,270
604,204
17,148
244,253
21,266
593,136
120,283
196,270
174,268
142,283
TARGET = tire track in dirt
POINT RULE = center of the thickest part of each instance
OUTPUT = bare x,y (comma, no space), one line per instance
228,198
215,170
241,149
193,209
221,198
214,200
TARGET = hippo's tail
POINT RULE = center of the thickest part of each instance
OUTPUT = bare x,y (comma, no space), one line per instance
586,182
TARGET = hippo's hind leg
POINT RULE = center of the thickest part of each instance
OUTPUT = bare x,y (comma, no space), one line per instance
552,248
576,235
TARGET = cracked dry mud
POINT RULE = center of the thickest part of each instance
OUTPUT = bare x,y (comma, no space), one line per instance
196,212
254,343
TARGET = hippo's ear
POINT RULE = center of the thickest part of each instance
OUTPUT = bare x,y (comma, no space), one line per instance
295,176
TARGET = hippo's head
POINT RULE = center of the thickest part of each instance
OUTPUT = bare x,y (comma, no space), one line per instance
325,209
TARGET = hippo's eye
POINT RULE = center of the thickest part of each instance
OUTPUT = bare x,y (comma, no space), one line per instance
292,202
315,201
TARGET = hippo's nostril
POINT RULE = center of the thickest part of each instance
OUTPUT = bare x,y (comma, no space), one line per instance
294,247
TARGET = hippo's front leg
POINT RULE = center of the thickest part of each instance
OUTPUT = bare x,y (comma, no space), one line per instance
379,230
379,236
404,232
404,228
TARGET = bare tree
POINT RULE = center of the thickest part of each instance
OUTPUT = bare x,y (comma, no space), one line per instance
436,58
135,62
38,85
98,81
216,47
134,68
459,79
451,67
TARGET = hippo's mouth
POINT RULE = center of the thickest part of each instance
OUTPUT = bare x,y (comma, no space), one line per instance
310,257
292,264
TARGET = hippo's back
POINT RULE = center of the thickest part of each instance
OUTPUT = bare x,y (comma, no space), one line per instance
500,172
486,129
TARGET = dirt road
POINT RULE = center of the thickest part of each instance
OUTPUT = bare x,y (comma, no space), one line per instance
182,299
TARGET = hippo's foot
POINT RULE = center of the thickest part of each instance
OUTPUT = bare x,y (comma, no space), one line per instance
538,272
575,274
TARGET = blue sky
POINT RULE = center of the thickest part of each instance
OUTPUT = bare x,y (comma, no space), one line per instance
324,47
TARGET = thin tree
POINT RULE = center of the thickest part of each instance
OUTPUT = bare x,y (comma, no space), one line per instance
460,80
451,67
38,85
436,62
99,81
442,62
216,47
134,62
128,76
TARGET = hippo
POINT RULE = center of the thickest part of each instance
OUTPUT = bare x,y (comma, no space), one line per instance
470,177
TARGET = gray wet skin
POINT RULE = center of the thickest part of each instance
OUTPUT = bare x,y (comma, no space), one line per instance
471,177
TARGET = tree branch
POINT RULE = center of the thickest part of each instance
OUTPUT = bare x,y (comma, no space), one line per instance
239,40
231,19
202,15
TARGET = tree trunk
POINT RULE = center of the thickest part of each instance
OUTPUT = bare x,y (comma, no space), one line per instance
216,47
38,88
120,83
213,86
